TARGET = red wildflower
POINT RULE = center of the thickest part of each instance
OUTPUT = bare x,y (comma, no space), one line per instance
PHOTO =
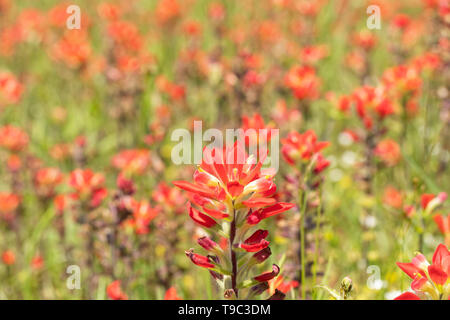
143,214
109,11
171,294
256,124
388,151
13,138
88,186
303,82
280,284
46,180
443,223
8,202
301,147
37,262
429,281
126,35
73,49
372,102
114,291
392,197
10,89
133,161
365,39
8,257
167,11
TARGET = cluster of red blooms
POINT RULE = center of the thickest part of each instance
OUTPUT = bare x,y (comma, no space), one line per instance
303,82
230,196
10,89
304,149
88,187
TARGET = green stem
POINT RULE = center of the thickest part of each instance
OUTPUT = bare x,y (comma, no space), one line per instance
303,200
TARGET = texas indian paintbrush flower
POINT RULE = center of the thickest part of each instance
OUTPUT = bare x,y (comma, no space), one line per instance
430,281
230,195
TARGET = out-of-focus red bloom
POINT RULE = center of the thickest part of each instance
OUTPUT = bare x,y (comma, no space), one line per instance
253,79
303,82
321,163
356,61
427,62
8,257
114,291
256,124
267,32
403,83
388,151
8,202
133,161
73,49
301,147
88,186
401,21
10,89
216,11
37,262
60,203
281,114
169,197
13,138
14,162
425,199
46,180
443,223
392,197
109,11
171,294
310,55
192,28
365,39
429,281
407,296
430,201
176,91
308,8
343,103
167,11
372,102
282,285
126,35
143,214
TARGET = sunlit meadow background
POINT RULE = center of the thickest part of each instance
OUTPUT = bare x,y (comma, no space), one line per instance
81,105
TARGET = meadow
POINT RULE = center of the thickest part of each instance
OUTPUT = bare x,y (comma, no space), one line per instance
351,105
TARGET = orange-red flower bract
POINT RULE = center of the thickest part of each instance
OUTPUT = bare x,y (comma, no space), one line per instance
230,195
302,147
114,291
430,281
88,186
8,202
